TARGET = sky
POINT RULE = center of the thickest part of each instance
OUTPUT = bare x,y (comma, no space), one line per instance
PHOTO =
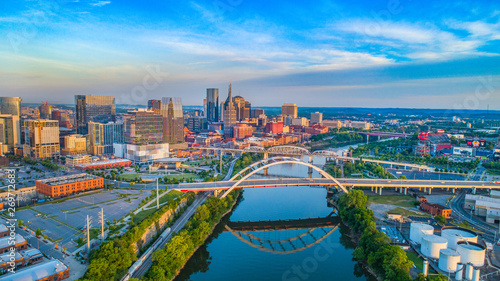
360,53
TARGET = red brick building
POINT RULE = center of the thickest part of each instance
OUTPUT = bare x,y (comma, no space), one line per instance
64,186
435,209
274,128
316,130
241,131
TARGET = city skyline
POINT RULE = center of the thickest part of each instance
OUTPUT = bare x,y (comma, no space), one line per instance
379,54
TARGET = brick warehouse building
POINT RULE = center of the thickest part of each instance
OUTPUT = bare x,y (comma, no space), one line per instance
435,209
66,185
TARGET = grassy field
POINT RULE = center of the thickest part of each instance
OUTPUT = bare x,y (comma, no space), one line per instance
406,213
164,198
128,176
397,200
171,195
185,176
419,263
466,225
142,215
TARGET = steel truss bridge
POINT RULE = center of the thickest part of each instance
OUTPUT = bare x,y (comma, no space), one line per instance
295,151
242,180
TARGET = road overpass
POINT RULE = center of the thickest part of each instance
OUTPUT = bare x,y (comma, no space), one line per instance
376,185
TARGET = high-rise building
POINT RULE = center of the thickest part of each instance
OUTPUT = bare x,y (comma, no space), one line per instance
41,138
255,113
242,112
274,128
93,108
10,105
197,124
246,110
155,106
143,127
10,133
316,118
212,112
102,136
173,120
63,118
289,109
74,145
229,114
45,110
241,131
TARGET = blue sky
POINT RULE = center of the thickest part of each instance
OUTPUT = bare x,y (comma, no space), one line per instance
423,54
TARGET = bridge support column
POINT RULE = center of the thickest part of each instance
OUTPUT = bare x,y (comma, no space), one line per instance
376,189
473,190
425,189
454,189
266,155
367,139
266,171
400,190
310,172
430,190
372,188
378,137
310,159
380,191
406,190
216,193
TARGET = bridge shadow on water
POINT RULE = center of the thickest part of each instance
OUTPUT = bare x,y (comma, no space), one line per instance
274,237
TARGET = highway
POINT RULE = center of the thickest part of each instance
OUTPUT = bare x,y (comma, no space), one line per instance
350,182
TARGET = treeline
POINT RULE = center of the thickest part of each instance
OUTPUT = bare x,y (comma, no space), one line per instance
246,160
167,262
359,167
113,258
492,166
389,261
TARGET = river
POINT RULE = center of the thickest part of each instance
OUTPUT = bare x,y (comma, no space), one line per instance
227,256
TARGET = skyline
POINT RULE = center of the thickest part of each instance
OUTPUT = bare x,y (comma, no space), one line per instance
382,54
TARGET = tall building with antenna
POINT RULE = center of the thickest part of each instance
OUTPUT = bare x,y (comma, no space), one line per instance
230,115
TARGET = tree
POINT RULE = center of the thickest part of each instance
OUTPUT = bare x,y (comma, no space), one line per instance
38,232
440,219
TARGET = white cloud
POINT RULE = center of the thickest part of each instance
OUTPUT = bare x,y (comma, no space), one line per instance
100,3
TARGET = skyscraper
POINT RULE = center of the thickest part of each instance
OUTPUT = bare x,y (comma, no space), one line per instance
289,109
242,108
93,108
154,105
316,117
41,138
173,120
10,133
45,110
229,114
102,136
143,127
10,105
212,113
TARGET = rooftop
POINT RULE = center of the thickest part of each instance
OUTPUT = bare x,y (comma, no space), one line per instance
4,241
68,179
37,272
104,162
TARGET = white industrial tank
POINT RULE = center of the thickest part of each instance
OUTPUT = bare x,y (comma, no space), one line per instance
457,234
432,244
417,230
448,260
471,253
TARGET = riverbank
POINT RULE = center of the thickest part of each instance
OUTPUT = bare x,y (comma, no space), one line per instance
171,259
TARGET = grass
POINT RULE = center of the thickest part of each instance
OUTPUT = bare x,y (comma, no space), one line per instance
74,212
406,213
466,226
419,263
397,200
142,215
129,177
169,196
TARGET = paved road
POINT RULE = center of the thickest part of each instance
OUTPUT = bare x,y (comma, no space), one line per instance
178,225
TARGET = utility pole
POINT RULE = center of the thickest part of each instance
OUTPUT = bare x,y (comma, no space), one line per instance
88,234
157,196
101,219
220,164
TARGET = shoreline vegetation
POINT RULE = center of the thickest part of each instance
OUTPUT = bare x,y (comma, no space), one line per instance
171,259
387,262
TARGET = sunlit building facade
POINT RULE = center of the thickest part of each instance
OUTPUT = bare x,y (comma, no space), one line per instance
93,108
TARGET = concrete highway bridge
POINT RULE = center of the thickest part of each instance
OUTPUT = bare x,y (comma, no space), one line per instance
242,180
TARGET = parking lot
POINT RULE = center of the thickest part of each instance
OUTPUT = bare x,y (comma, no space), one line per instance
64,220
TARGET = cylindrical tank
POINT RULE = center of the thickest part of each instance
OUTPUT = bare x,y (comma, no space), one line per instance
426,267
468,271
432,244
448,260
475,274
417,230
456,234
471,253
460,272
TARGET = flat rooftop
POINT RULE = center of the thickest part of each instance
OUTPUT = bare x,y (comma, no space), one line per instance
104,162
4,241
68,179
36,272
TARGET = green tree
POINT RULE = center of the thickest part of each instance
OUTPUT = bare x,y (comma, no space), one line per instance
440,219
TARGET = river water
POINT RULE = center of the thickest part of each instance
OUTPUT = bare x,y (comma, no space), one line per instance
323,253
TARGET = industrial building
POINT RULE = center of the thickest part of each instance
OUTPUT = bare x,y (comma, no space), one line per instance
20,258
435,209
484,206
6,243
67,185
53,270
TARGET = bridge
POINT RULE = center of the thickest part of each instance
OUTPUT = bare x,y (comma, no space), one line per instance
242,180
384,134
289,150
282,243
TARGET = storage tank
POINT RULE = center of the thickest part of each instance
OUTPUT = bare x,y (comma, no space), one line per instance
432,244
448,260
471,253
456,234
417,230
